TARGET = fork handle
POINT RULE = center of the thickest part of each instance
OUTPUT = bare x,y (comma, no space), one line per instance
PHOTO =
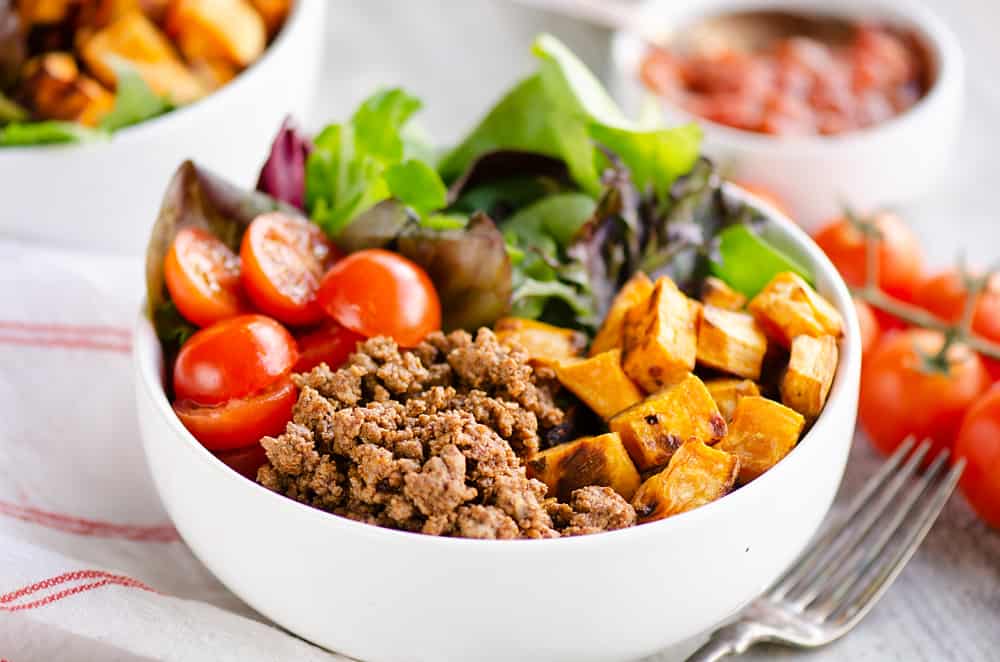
732,639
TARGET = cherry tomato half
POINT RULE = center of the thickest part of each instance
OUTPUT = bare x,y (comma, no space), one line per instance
203,278
331,344
240,422
245,461
284,257
979,443
375,292
233,359
899,256
944,295
900,398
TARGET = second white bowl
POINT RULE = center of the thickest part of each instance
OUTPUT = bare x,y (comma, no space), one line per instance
892,163
104,196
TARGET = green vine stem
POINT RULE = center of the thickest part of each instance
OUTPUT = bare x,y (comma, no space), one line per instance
960,332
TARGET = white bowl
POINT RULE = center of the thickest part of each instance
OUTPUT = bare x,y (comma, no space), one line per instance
892,163
380,594
104,196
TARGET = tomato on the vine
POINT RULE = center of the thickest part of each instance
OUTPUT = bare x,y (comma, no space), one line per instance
979,443
944,296
240,422
902,395
767,195
284,257
869,325
899,255
203,277
375,292
233,359
330,344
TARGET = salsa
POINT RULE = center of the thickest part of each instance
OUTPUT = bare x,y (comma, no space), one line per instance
796,85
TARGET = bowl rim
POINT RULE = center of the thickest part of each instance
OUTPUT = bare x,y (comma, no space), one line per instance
149,370
939,40
136,132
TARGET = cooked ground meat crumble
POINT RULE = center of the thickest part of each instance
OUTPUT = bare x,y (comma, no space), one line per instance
432,440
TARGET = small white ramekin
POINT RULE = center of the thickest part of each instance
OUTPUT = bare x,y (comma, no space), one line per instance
893,163
104,196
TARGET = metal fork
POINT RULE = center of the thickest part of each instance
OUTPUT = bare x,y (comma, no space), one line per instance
844,572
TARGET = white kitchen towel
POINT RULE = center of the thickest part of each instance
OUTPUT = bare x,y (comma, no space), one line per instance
90,566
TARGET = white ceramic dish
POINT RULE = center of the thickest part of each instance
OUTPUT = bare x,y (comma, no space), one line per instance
378,594
892,163
104,196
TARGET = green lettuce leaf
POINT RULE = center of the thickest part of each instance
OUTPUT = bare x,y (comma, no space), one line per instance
135,102
374,156
49,132
10,111
747,262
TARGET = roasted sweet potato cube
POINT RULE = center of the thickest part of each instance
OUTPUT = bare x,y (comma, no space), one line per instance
217,29
726,392
652,430
610,335
57,90
43,11
133,38
600,460
697,474
274,13
788,307
600,382
661,337
731,341
811,367
715,292
546,344
213,74
762,432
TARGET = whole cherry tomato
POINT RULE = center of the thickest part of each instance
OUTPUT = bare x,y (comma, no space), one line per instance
869,325
331,344
234,358
203,278
375,292
944,295
284,257
899,256
901,395
979,443
240,422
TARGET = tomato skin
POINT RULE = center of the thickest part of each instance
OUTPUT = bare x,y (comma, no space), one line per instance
232,359
375,292
767,195
899,255
284,257
203,278
870,329
979,443
240,422
898,399
244,461
331,344
943,295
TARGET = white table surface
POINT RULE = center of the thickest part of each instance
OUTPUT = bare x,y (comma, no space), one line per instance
458,54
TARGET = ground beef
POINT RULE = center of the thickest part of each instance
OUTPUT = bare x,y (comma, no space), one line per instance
432,440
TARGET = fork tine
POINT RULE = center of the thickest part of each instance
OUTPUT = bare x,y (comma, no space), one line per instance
885,572
830,587
832,543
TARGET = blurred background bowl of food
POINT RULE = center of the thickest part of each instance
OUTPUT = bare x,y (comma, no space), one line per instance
229,70
826,104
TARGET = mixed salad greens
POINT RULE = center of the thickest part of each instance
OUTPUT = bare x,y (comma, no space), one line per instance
543,210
